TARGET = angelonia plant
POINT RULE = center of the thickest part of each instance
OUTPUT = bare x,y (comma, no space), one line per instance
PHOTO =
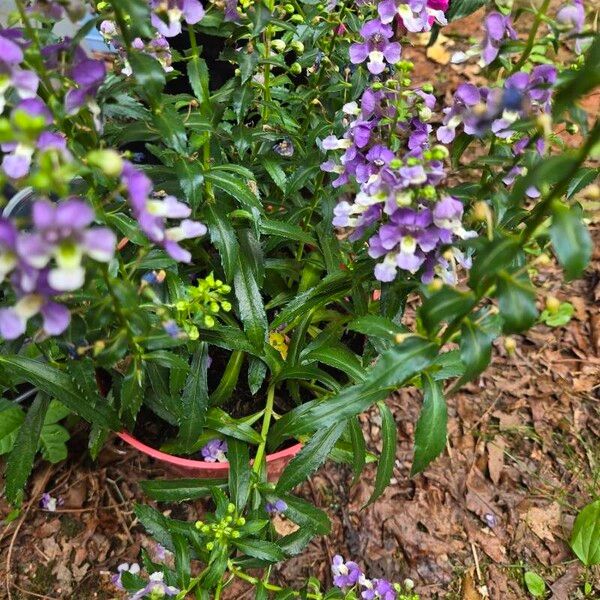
213,227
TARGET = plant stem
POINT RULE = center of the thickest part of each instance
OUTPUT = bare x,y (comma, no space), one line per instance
532,34
266,55
260,452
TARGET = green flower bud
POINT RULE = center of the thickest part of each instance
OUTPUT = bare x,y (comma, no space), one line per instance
296,68
109,161
297,19
297,46
210,546
235,535
427,87
289,8
231,508
377,86
278,45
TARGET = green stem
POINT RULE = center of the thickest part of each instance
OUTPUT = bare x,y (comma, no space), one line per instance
260,452
229,379
532,35
267,74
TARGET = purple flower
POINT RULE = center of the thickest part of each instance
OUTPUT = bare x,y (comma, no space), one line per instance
345,574
215,451
8,242
465,97
156,588
572,17
416,15
167,15
497,27
273,508
152,213
61,232
132,568
49,503
378,589
376,47
89,75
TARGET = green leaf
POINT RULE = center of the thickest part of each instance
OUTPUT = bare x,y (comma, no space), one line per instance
222,235
535,584
53,442
182,559
194,401
220,421
570,238
496,255
582,179
338,357
430,433
276,172
250,302
239,472
377,326
199,80
392,370
516,299
476,346
11,419
311,457
191,178
559,318
585,538
59,385
385,468
304,513
149,75
460,144
156,524
138,12
444,306
179,490
359,448
20,460
128,227
167,359
286,230
261,549
170,125
463,8
236,187
132,391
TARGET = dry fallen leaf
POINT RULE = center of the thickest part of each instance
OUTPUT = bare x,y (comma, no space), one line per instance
468,589
544,520
495,450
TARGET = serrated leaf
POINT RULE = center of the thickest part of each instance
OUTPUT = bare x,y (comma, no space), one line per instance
179,490
431,430
311,457
261,549
11,419
250,302
20,460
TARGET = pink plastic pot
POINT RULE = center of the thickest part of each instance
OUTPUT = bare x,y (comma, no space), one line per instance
200,469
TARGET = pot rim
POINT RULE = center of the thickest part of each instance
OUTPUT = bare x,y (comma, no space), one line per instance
190,463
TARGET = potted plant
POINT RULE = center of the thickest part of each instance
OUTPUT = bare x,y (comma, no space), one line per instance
218,260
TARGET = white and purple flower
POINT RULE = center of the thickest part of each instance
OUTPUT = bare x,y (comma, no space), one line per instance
168,14
415,15
214,451
376,48
345,574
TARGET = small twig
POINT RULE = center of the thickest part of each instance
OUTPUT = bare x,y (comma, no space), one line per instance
41,484
119,513
476,558
29,593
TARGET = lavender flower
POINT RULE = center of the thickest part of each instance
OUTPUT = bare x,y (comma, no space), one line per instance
151,214
572,17
215,451
49,503
377,589
61,232
273,508
23,82
376,47
132,568
345,574
167,15
415,15
88,75
497,28
156,588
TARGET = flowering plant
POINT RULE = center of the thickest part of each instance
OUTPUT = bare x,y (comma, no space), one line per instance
217,225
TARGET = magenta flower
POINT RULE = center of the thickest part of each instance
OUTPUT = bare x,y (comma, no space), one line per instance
376,47
497,28
167,15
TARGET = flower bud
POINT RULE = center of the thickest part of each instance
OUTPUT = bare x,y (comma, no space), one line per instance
289,8
543,260
296,68
278,45
544,123
408,584
436,285
552,304
572,128
109,161
427,87
297,46
481,211
440,152
510,345
297,19
377,86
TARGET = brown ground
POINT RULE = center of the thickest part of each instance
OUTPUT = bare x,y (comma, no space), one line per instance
522,458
